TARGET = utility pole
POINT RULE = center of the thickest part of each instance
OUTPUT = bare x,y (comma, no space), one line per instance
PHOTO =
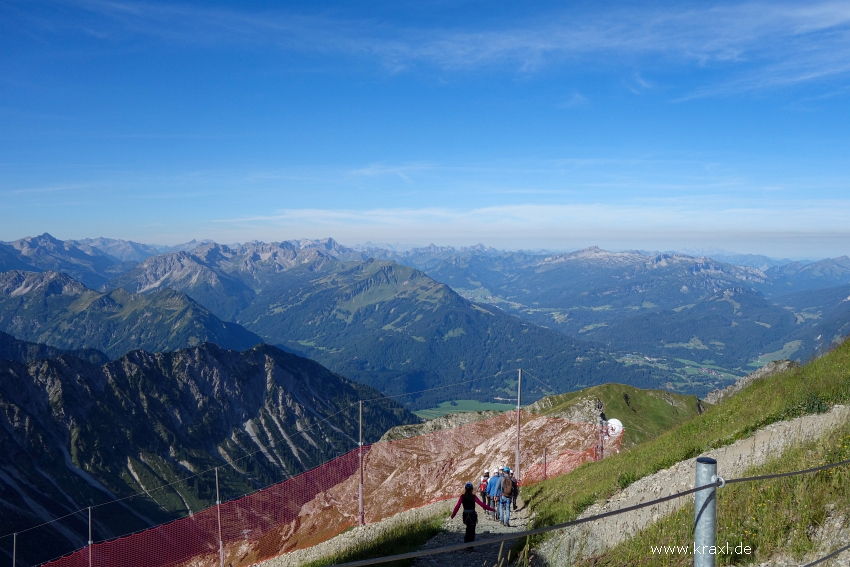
360,514
218,511
518,407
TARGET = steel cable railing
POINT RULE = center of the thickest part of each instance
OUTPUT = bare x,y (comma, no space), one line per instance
517,535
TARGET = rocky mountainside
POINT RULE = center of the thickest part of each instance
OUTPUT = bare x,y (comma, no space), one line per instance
56,310
74,434
45,253
121,250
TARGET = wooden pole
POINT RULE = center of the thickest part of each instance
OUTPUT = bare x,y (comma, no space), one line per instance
518,406
544,463
218,511
360,511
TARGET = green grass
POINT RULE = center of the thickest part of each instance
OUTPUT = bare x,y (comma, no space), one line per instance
769,517
461,406
646,414
400,539
809,389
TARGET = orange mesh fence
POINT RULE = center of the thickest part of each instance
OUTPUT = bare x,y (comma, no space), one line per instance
321,503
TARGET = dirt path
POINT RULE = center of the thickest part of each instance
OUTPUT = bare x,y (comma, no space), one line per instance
732,461
484,555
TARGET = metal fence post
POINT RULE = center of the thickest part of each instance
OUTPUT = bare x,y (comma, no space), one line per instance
14,550
705,513
90,539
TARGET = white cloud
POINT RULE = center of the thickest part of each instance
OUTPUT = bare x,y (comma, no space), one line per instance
773,43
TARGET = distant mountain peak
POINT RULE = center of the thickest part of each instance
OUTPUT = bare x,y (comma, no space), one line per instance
16,283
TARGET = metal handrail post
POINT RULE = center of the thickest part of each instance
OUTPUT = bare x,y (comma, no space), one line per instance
705,513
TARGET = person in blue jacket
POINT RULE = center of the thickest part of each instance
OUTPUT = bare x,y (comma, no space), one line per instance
506,491
494,491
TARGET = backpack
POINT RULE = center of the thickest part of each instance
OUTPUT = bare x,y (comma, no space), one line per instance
483,486
507,487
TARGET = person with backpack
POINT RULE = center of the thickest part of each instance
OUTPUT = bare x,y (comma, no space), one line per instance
506,490
482,487
515,482
468,500
494,487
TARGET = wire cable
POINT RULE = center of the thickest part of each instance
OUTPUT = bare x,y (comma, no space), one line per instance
830,556
793,473
432,389
551,389
518,535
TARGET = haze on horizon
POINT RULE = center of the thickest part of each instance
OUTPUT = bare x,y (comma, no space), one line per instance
684,125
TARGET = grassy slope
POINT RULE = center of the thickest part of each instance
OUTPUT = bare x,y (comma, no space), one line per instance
770,517
809,389
645,414
404,538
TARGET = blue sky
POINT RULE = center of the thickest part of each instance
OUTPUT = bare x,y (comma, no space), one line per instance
545,125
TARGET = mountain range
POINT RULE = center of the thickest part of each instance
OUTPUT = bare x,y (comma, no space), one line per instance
75,434
378,322
380,316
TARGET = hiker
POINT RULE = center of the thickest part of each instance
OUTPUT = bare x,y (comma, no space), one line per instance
506,492
482,487
493,491
468,500
515,482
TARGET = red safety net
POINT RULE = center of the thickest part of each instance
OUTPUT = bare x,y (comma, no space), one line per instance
321,503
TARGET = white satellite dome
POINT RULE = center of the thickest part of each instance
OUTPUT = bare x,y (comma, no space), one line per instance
615,427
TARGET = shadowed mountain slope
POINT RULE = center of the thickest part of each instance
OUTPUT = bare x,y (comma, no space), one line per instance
24,352
74,434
